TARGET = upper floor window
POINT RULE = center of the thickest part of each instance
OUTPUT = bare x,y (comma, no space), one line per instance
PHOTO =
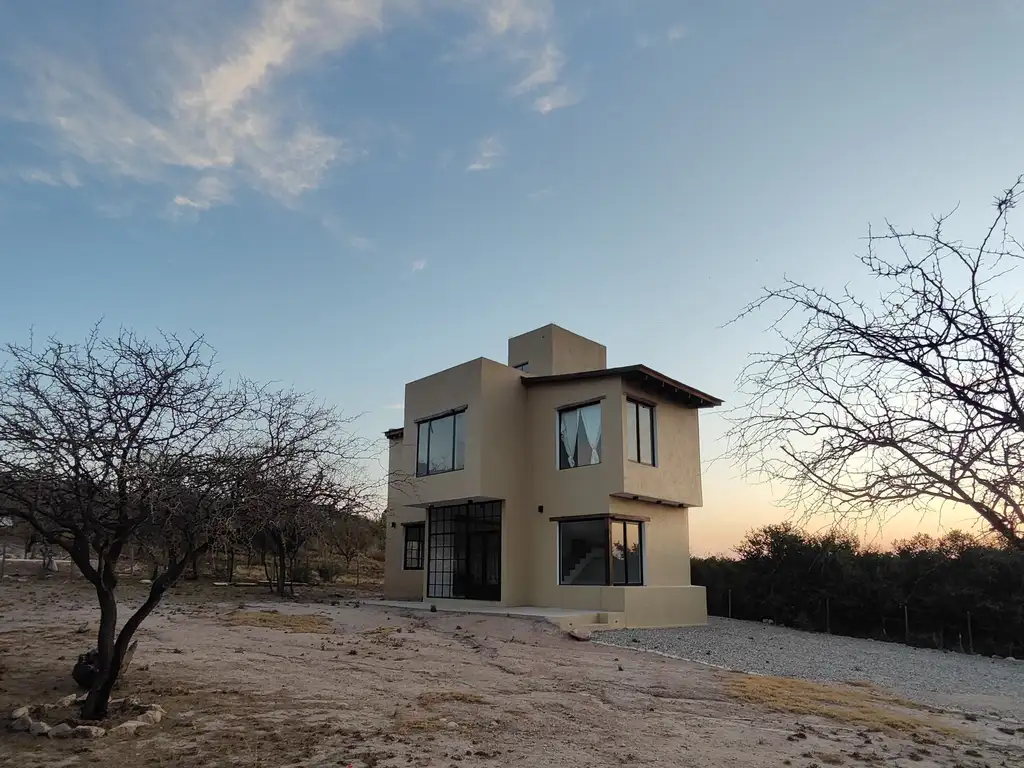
579,436
441,444
524,367
640,432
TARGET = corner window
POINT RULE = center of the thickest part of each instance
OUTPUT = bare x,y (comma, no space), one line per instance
640,432
600,552
413,560
441,444
579,436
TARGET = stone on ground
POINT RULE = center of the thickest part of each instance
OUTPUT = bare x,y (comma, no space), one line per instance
88,732
19,713
579,633
23,723
39,729
61,731
127,729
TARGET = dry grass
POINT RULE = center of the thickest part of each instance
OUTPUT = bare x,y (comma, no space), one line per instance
860,705
286,622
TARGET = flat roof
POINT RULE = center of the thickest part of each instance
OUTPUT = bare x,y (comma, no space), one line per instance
640,375
395,434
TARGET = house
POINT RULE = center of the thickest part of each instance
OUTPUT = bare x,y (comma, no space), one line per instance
552,481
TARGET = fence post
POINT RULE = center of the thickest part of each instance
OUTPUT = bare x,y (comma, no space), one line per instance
828,616
730,603
970,634
906,625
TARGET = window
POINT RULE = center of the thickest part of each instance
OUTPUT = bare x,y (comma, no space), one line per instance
583,552
627,562
441,444
600,551
579,436
640,432
524,367
414,547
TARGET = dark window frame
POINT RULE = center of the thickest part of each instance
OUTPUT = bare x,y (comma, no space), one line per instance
425,423
418,558
524,367
634,439
446,538
562,410
609,522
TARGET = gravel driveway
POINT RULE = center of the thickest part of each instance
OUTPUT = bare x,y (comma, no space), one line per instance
972,683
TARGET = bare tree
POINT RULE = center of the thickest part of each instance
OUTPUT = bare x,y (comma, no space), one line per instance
304,471
913,398
97,442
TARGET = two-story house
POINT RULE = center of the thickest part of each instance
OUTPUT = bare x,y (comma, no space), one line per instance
552,481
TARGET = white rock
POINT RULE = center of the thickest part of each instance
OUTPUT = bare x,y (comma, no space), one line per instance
156,708
451,725
39,729
127,729
152,717
578,633
23,723
67,701
19,713
88,732
61,731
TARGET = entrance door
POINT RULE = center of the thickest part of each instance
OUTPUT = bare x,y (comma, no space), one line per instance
464,551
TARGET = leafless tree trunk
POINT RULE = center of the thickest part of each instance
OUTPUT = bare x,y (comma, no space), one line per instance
911,399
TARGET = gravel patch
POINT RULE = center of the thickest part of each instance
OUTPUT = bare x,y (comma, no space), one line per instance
941,679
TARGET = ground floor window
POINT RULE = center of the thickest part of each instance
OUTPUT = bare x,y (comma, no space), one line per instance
414,547
464,551
600,551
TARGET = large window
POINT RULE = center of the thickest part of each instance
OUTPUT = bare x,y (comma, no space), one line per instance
441,444
600,551
464,551
640,432
414,547
579,436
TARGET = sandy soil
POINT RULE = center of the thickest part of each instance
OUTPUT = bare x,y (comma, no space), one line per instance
328,682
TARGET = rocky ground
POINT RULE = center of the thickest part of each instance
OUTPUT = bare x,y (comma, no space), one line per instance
994,686
324,681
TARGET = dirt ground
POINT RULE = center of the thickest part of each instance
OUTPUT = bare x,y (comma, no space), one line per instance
326,681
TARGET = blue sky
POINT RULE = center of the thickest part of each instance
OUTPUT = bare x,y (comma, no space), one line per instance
346,195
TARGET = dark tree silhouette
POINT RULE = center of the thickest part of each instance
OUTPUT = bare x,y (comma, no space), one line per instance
913,398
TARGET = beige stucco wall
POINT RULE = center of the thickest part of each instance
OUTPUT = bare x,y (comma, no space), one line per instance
553,350
577,491
666,541
676,475
399,584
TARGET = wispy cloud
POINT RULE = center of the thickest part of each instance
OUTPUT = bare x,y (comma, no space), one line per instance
207,116
488,154
523,32
360,243
65,178
394,407
208,192
560,97
539,194
672,35
223,114
418,266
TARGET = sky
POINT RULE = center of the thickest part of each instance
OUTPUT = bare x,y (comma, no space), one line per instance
346,195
